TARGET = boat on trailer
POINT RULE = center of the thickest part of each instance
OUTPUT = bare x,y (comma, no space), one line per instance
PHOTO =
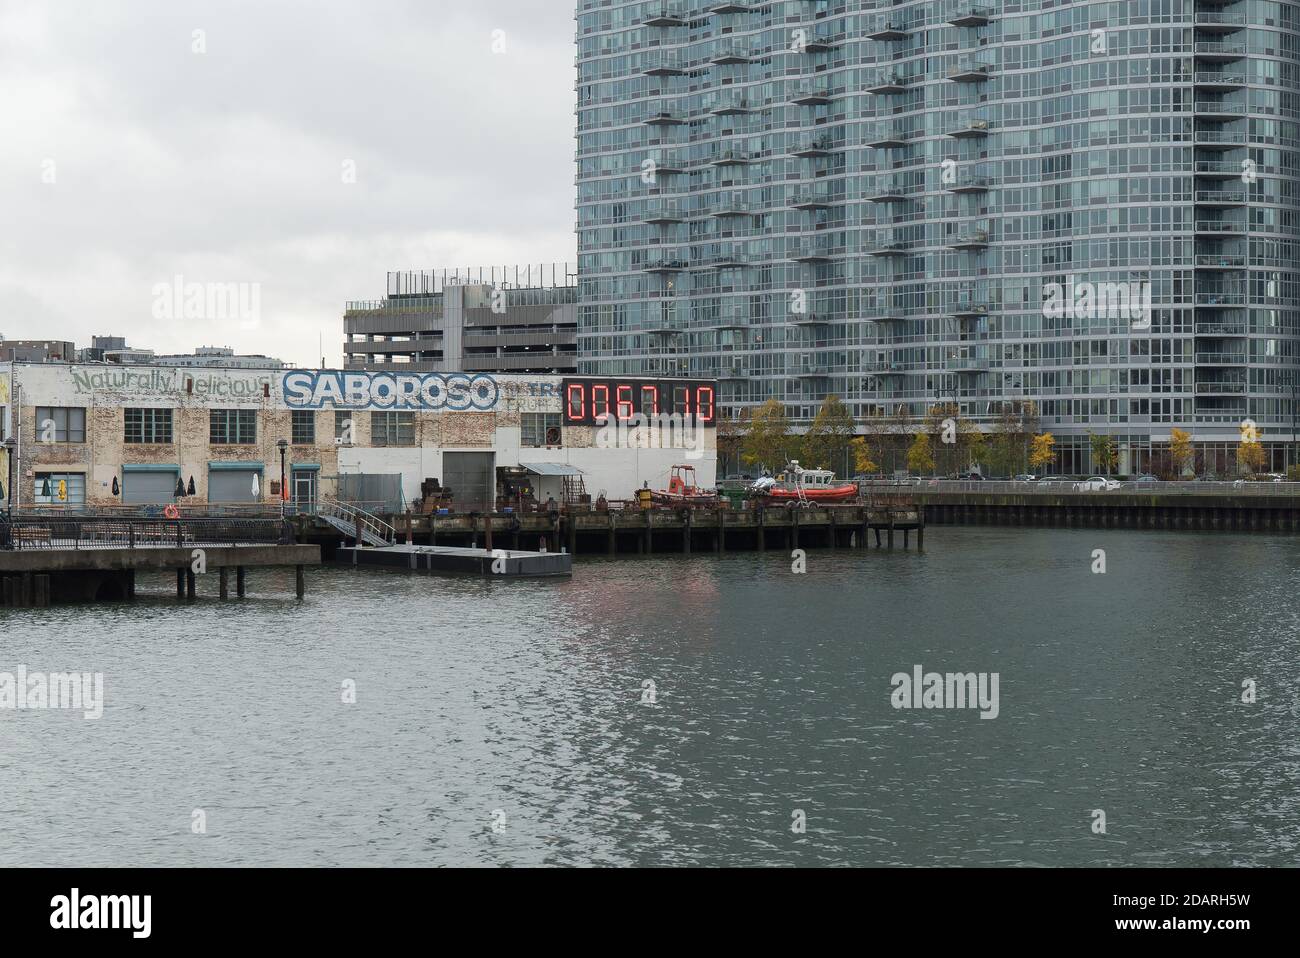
798,486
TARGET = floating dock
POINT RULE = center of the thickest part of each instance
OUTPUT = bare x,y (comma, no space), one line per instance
451,560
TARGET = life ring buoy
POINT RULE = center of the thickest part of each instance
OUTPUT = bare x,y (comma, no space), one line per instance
171,512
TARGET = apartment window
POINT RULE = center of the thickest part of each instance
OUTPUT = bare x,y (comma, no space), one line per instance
304,427
345,426
60,488
60,424
539,429
149,425
392,429
233,427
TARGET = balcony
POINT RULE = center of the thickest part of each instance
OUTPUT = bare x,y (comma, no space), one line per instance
880,366
818,251
731,157
816,147
665,15
663,265
1218,110
970,130
811,200
966,364
730,105
1221,330
1211,139
733,318
809,320
970,15
884,314
668,164
813,369
724,259
1221,227
891,191
725,206
888,82
663,117
1220,81
971,184
974,239
663,63
971,72
970,309
1221,198
733,369
889,138
888,30
811,94
1219,262
888,247
1219,51
1219,21
662,214
731,7
665,324
732,53
1218,169
1219,298
821,42
1221,387
1222,359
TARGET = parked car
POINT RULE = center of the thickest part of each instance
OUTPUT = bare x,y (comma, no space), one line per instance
1146,478
1024,478
1055,479
1096,484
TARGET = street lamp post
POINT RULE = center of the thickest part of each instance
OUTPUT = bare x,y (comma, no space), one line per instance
283,446
10,444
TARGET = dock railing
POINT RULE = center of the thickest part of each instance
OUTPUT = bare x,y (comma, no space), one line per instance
1233,487
346,514
60,531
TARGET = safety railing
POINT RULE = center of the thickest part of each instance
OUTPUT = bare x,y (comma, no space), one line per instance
62,531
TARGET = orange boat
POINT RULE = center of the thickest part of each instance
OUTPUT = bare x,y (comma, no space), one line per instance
682,490
813,486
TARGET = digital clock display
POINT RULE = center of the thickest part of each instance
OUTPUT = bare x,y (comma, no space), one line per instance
595,401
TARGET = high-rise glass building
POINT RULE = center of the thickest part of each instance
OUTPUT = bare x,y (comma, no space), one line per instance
909,203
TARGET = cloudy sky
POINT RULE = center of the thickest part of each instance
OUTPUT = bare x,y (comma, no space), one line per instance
136,150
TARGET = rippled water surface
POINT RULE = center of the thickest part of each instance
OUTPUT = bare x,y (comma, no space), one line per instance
520,703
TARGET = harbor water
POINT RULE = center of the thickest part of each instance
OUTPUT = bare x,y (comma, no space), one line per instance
682,710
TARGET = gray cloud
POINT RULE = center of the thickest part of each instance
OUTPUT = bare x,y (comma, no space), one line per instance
226,166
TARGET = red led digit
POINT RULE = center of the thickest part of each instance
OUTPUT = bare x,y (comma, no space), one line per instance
599,402
650,394
704,403
623,406
577,402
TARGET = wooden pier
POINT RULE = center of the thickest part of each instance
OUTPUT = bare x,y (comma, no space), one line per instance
658,530
47,559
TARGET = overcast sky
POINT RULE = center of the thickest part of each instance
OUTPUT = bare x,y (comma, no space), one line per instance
128,158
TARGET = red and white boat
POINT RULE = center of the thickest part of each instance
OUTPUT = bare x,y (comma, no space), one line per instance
810,486
682,490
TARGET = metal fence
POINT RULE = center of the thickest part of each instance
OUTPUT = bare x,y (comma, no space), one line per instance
107,532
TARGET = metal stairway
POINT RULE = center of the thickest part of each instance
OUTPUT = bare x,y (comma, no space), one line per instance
343,517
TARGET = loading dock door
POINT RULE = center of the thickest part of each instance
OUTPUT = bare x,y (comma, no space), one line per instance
233,485
149,487
471,477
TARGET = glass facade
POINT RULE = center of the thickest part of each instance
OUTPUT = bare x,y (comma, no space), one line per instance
1091,205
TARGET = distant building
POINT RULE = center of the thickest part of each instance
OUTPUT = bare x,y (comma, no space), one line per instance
36,351
513,320
223,356
94,353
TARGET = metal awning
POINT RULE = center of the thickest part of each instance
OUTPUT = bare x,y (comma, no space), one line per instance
550,469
